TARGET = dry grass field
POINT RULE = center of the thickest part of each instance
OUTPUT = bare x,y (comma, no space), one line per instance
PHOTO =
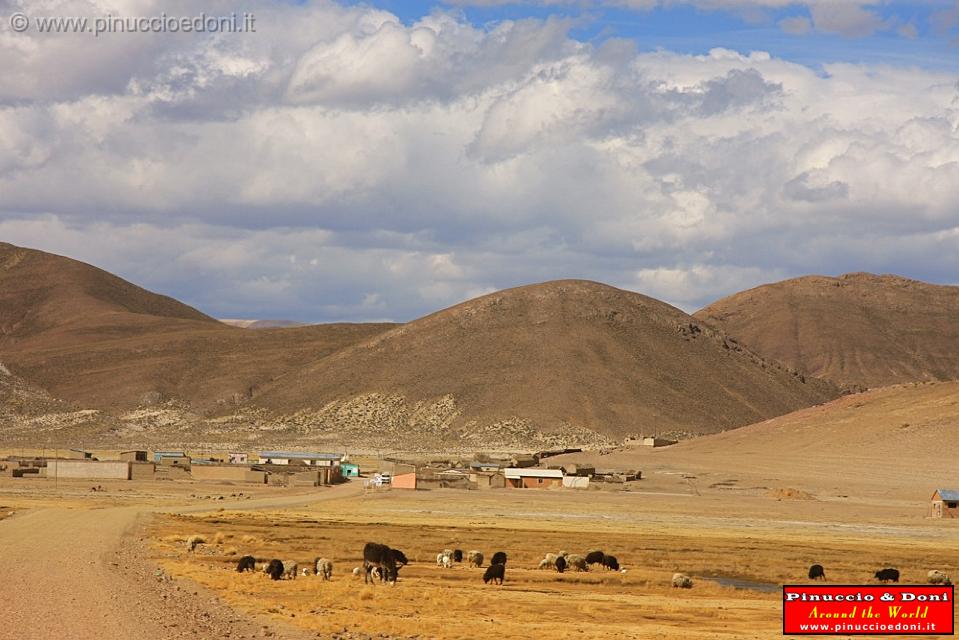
761,541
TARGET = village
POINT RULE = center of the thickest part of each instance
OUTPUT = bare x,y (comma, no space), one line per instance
305,469
376,473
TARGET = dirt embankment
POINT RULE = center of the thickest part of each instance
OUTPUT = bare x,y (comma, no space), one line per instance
85,574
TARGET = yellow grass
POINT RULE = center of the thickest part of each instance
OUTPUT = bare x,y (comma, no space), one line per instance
649,541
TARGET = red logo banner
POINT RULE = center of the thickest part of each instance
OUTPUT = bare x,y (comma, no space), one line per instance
868,610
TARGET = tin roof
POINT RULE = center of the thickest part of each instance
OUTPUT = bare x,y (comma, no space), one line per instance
530,472
300,455
948,494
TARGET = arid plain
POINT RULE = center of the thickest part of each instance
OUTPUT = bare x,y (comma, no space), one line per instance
742,513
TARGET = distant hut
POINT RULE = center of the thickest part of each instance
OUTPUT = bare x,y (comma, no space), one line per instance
945,503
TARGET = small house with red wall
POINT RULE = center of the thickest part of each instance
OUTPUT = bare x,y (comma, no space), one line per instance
533,478
945,503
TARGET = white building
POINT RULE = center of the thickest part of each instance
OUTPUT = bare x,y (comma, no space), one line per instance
299,457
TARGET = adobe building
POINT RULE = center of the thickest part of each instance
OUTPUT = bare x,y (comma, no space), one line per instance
407,480
142,471
226,473
487,480
88,469
945,503
653,441
134,456
530,478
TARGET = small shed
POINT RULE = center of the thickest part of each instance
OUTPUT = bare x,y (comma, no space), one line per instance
134,456
528,478
653,441
487,480
237,457
524,460
576,482
349,470
945,503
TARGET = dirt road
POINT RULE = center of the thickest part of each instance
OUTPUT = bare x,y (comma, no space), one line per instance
81,574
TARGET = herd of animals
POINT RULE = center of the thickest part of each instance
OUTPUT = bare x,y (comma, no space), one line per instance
936,577
383,563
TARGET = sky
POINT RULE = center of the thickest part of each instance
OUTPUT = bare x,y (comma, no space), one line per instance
353,161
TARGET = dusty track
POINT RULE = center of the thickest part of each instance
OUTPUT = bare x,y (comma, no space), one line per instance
81,573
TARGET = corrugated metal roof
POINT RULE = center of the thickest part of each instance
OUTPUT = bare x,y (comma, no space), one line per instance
533,473
300,455
948,494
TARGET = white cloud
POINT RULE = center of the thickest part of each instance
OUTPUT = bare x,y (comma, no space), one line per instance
407,167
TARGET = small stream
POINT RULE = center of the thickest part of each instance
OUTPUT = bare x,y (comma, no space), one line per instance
742,583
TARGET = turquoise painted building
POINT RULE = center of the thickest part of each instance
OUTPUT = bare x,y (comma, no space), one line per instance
349,470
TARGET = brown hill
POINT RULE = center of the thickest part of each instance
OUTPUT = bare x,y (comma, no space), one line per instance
896,443
855,330
96,340
550,355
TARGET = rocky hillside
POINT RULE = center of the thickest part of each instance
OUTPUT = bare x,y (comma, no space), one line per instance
556,356
857,330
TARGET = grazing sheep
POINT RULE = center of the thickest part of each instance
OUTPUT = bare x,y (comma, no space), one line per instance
546,564
290,569
323,567
193,542
495,573
475,558
610,563
246,563
577,562
816,572
443,560
595,557
274,569
498,558
561,564
682,581
448,552
938,577
457,555
887,575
